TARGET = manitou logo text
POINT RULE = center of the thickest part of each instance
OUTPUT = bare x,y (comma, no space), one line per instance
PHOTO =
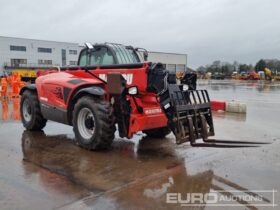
128,78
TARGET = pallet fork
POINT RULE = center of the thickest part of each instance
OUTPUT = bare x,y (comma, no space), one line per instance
190,118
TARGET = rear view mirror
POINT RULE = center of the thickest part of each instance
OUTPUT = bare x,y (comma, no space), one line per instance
89,45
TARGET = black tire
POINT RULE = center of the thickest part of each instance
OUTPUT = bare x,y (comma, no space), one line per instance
102,122
157,132
35,121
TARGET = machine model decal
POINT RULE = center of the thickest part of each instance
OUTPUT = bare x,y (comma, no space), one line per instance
153,111
57,91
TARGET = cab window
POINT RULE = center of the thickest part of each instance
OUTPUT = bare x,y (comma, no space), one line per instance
124,55
108,58
100,56
83,58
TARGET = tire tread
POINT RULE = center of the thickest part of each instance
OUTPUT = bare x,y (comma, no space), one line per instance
39,122
106,122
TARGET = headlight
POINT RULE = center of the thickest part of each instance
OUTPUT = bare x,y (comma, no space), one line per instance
133,91
185,87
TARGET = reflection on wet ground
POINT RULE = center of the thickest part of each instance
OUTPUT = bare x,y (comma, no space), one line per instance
121,175
258,85
229,116
46,170
10,109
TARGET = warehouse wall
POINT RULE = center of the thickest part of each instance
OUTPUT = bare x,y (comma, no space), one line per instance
32,55
172,61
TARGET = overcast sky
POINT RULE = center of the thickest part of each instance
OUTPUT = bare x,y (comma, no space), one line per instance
207,30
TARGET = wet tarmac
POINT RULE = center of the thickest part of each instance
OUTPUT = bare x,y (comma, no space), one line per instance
46,170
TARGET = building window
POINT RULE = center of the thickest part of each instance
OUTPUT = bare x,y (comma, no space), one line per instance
44,50
73,63
45,62
17,62
171,67
63,57
17,48
73,52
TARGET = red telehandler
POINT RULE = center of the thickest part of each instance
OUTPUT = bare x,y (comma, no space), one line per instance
112,87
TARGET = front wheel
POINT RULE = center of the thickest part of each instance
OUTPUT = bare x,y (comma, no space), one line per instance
30,111
93,123
157,132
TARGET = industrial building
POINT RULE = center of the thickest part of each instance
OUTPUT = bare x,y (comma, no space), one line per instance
21,53
172,61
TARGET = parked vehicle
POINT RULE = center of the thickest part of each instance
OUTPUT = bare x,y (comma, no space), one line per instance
253,76
217,75
111,86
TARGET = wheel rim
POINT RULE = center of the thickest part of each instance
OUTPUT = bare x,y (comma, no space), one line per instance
86,123
26,110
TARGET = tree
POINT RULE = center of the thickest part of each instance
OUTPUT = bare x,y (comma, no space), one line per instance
216,64
244,68
260,66
201,69
272,64
226,70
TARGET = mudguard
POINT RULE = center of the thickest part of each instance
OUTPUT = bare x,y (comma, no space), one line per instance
94,90
31,87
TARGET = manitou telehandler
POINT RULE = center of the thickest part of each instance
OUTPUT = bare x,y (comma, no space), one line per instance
113,86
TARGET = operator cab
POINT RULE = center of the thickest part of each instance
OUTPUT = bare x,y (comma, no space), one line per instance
110,54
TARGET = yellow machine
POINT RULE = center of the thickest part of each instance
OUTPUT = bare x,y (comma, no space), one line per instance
25,74
276,75
267,74
235,75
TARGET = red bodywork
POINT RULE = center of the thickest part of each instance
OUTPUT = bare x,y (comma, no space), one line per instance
51,88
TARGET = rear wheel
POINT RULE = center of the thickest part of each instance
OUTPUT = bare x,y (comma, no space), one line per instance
157,132
30,111
93,123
